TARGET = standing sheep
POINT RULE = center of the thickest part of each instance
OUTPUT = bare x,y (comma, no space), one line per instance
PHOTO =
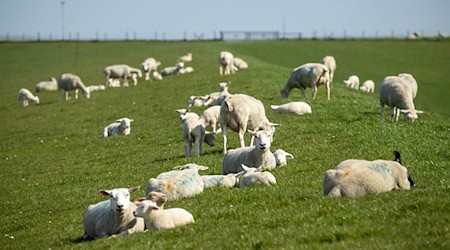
310,75
368,86
122,71
297,108
330,62
255,176
25,96
51,85
69,82
119,127
149,66
352,82
210,118
226,63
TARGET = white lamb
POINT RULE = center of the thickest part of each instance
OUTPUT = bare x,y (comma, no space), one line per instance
330,62
216,98
150,65
412,83
122,71
185,58
113,83
255,156
25,96
310,75
173,70
352,82
297,108
113,216
69,82
226,63
186,70
229,180
368,86
281,157
396,93
51,85
255,176
96,87
119,127
196,101
240,63
157,76
210,118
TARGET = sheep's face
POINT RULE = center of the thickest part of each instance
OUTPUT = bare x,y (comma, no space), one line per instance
125,123
284,93
145,67
210,139
263,139
144,208
410,115
281,157
119,198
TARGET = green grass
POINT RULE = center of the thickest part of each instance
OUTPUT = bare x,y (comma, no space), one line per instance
53,161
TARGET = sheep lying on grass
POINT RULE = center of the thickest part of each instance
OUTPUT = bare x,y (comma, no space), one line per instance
96,87
196,101
119,127
229,180
352,82
25,96
69,82
51,85
281,157
240,63
368,86
113,216
330,62
173,70
156,76
255,176
297,108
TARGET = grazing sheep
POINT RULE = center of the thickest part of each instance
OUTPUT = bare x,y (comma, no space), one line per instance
240,63
255,176
396,93
150,65
226,63
255,156
25,96
354,178
185,58
96,87
210,118
411,81
173,70
122,71
281,157
352,82
113,216
241,112
156,218
229,180
310,75
119,127
69,82
176,184
330,62
51,85
368,86
186,70
297,108
216,98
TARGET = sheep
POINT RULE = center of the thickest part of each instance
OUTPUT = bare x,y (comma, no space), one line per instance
352,82
156,218
183,182
186,70
96,87
122,71
25,96
150,65
173,70
255,156
297,108
112,217
156,76
411,81
396,93
310,75
196,101
113,83
69,82
216,98
210,118
185,58
226,63
240,63
119,127
330,62
368,86
229,180
241,112
281,157
255,176
355,178
51,85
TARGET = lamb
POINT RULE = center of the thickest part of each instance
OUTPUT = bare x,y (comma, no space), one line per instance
210,118
297,108
113,83
119,127
112,217
157,76
352,82
96,87
69,82
25,96
411,81
229,180
216,98
185,58
396,93
174,70
150,65
254,176
186,70
122,71
51,85
240,63
281,157
330,62
355,178
368,86
196,101
241,112
310,75
183,182
226,63
255,156
156,218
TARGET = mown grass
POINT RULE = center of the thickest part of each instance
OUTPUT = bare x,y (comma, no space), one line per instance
53,161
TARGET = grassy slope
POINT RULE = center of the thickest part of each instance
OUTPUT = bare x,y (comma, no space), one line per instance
53,161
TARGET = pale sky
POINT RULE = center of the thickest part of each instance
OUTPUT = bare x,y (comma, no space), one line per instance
113,18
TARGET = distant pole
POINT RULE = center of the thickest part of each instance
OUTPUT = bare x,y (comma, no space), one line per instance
284,28
62,19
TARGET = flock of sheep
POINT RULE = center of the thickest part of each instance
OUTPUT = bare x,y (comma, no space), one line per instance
243,166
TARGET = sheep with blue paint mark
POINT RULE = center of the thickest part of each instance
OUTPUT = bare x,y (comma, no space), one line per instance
229,180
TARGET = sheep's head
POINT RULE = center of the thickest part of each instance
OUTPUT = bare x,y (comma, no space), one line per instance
125,123
119,197
285,92
145,207
145,67
281,157
263,139
210,138
157,197
37,100
411,114
223,86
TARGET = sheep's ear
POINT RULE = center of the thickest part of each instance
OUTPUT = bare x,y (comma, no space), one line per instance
274,107
203,168
105,192
245,167
289,156
162,199
134,189
253,133
180,111
419,111
131,120
275,125
138,201
405,111
119,120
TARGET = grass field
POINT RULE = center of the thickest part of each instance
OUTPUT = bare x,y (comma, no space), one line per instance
53,161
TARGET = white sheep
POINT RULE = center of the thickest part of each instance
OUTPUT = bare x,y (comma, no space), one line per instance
396,93
25,96
156,76
254,156
96,87
310,75
185,58
176,184
210,118
156,218
216,98
122,71
50,85
352,82
69,82
197,101
173,70
113,83
368,86
412,83
255,176
119,127
226,63
281,157
297,108
186,70
240,63
241,113
113,216
330,62
150,65
229,180
354,178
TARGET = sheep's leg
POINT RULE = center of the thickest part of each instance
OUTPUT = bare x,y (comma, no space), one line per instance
382,112
76,94
302,90
397,113
125,82
187,148
314,92
327,86
224,136
393,113
147,75
220,70
252,140
198,147
25,103
67,95
241,137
